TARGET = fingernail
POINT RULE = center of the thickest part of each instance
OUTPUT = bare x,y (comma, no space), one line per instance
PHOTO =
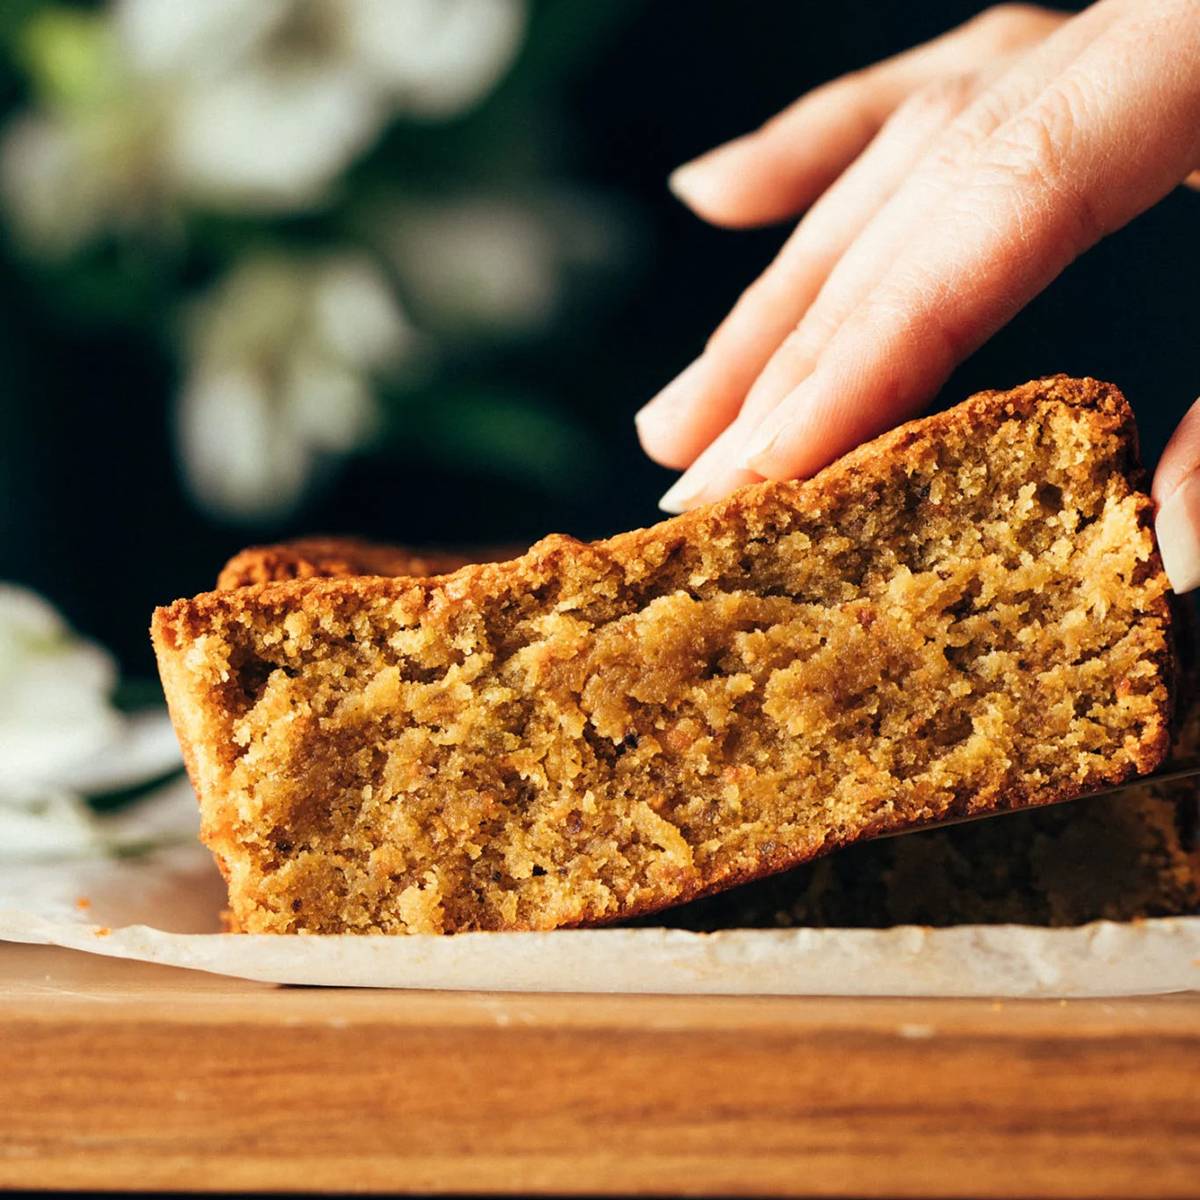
681,181
762,444
683,493
709,487
663,409
759,445
693,180
1178,529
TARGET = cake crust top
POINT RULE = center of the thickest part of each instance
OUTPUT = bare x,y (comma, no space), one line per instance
332,571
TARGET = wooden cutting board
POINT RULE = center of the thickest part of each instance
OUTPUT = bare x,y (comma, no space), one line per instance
123,1076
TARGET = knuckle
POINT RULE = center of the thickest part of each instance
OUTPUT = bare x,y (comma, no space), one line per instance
999,14
1063,109
987,112
951,151
813,330
718,337
1008,24
1035,145
1028,155
940,99
853,97
970,128
791,362
1037,153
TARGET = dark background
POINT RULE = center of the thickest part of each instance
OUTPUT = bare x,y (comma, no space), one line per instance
93,512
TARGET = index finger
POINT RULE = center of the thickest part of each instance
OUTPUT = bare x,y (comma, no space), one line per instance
779,169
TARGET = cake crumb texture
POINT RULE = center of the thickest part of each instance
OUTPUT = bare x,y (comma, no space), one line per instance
966,615
1122,857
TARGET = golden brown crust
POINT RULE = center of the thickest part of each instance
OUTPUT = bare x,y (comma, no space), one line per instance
335,557
609,591
745,508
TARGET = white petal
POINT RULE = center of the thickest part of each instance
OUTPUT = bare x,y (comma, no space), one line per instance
26,618
331,407
57,825
239,457
38,745
478,262
54,694
357,314
254,312
270,139
47,183
167,37
145,749
437,57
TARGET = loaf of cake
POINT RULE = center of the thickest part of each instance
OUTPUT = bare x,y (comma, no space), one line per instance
1119,857
967,615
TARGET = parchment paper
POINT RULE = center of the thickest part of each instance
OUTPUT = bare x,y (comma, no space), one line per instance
164,907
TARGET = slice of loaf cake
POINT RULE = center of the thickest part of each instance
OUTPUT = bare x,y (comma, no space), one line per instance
1118,857
966,615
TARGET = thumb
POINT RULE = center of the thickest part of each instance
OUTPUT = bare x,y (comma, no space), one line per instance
1176,494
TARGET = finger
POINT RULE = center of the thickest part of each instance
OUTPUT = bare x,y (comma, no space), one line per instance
691,411
1176,493
715,467
780,168
912,209
890,231
1079,162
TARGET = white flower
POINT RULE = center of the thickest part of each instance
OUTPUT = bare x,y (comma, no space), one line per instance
269,137
426,57
282,355
477,263
495,263
54,695
64,181
49,189
60,736
164,38
51,825
249,105
315,87
435,58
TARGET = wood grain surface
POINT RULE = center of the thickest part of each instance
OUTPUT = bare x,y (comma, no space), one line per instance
123,1076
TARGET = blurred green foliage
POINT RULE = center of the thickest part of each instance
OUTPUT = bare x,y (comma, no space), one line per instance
134,276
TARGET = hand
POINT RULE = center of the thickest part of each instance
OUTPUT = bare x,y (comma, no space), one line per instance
948,186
